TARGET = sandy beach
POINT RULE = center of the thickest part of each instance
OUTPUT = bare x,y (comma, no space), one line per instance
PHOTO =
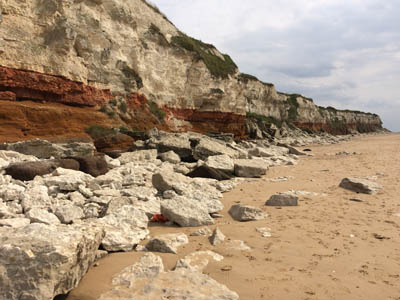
335,245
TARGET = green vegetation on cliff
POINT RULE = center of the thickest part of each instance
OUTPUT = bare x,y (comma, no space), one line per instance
247,77
220,67
261,119
293,106
156,111
335,111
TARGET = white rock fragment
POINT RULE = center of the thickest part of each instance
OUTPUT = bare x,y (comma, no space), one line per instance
167,243
197,261
245,213
38,215
217,237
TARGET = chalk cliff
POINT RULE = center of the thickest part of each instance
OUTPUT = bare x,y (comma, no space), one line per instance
127,60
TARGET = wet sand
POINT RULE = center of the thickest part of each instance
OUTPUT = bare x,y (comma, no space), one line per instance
329,247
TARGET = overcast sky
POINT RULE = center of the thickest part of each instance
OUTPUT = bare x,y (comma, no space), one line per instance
341,53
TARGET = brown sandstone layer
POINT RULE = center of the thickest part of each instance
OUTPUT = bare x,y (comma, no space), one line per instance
53,121
42,87
212,121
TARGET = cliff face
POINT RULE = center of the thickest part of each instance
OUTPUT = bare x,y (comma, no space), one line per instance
93,52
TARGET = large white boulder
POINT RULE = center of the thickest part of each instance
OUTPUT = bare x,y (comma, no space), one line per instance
41,261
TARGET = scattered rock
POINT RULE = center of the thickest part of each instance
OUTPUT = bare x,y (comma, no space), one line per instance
197,261
67,180
201,232
168,180
171,157
93,165
208,147
217,237
356,200
148,266
138,156
38,215
186,212
101,254
44,149
124,228
237,245
265,231
282,200
29,170
380,237
115,142
360,185
216,216
292,150
67,213
222,163
250,168
179,144
207,172
226,268
245,213
167,243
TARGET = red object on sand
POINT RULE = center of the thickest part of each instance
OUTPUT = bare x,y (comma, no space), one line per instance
159,218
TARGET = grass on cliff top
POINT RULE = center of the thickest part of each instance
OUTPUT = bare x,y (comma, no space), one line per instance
297,95
218,67
334,110
154,8
247,77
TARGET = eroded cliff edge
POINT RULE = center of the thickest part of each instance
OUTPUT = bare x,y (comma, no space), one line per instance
127,60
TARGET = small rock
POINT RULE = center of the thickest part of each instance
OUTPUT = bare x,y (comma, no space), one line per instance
148,266
141,155
250,168
226,268
237,245
101,254
208,172
217,237
360,185
265,231
282,200
201,232
68,213
171,157
197,261
216,215
244,213
38,215
167,243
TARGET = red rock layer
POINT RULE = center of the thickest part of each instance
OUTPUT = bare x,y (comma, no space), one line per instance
42,87
54,121
209,121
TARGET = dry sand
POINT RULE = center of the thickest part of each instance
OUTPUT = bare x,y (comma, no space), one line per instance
326,248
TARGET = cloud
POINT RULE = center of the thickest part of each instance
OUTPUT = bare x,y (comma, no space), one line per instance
344,53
